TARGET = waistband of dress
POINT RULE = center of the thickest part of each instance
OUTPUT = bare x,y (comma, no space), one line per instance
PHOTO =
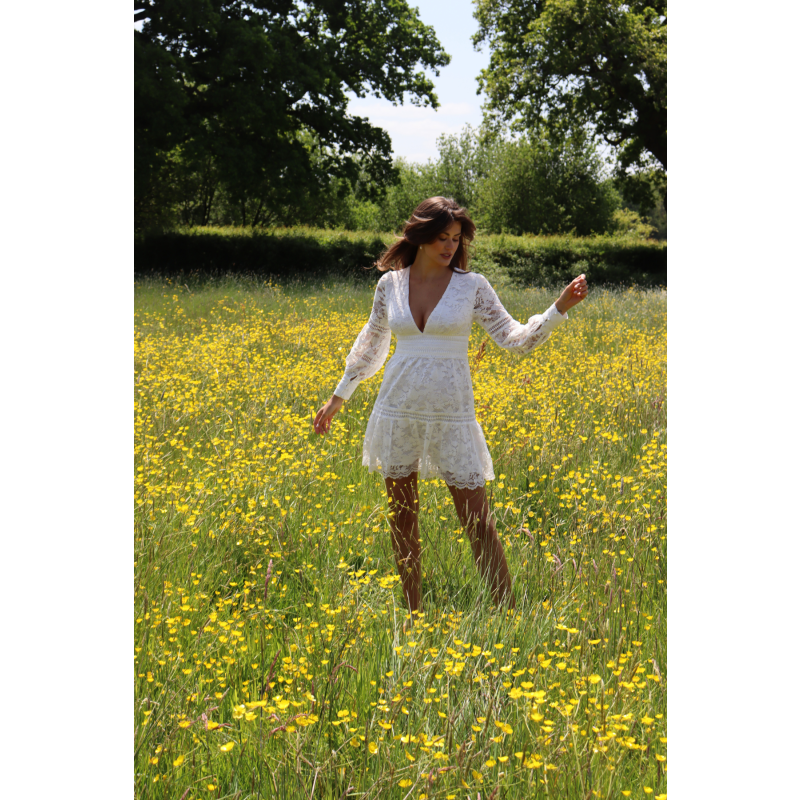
432,346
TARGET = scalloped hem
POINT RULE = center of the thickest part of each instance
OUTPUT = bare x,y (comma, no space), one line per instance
430,472
451,450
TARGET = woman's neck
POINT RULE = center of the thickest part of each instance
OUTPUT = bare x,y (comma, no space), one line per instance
426,269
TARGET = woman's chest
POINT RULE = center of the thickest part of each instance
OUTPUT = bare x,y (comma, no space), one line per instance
451,315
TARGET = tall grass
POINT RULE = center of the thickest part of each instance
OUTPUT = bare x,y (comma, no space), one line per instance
270,659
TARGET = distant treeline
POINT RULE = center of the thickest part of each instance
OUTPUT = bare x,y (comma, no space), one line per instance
529,185
241,117
196,254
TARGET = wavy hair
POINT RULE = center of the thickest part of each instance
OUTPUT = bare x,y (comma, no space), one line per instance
430,218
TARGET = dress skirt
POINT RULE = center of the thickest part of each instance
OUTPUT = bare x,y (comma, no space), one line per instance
423,419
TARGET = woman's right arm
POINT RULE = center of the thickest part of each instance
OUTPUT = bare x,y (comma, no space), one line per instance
366,357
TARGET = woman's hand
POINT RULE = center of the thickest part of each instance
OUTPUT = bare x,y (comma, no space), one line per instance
572,295
322,422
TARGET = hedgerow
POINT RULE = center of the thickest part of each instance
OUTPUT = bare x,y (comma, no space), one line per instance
313,253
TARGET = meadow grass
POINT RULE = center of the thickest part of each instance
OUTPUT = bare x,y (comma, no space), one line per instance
270,659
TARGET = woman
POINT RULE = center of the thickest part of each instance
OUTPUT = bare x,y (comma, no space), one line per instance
423,422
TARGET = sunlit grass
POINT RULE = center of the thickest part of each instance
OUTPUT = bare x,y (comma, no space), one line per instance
269,653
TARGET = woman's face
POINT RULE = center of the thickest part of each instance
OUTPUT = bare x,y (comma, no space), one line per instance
444,246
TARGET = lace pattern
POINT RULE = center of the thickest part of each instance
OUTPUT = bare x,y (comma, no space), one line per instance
424,416
471,481
370,348
503,328
453,451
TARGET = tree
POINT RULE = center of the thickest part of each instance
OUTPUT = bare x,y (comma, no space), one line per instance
565,64
248,82
456,172
462,164
645,192
529,185
543,186
414,183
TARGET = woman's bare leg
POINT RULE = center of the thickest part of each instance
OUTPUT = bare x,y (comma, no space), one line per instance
404,522
475,515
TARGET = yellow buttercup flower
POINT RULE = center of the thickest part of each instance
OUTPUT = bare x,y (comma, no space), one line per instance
263,595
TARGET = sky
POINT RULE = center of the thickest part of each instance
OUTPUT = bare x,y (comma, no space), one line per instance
414,130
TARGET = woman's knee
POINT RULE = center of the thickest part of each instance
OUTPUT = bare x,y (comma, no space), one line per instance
474,513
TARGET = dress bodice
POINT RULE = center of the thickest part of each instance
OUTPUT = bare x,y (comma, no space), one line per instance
452,315
468,298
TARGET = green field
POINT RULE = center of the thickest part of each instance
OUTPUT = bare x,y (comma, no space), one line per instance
270,659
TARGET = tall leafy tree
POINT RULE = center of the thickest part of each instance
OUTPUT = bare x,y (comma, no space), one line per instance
251,83
569,63
462,163
536,185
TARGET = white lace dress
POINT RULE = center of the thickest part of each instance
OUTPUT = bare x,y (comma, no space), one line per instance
424,417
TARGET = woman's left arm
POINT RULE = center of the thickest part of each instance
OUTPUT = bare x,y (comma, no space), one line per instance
512,335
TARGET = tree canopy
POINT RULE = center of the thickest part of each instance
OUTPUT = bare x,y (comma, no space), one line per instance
261,87
525,185
569,63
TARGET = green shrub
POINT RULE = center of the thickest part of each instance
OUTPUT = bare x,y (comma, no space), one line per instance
313,253
305,253
627,222
541,187
549,260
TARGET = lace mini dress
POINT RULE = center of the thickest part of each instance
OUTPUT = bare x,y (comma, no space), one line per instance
423,419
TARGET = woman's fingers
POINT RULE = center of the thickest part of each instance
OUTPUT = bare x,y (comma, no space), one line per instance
579,286
319,421
322,422
577,290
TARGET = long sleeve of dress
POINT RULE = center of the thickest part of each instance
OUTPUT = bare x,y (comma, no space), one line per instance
371,347
504,329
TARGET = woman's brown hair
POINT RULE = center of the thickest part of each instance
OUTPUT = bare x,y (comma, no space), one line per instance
430,218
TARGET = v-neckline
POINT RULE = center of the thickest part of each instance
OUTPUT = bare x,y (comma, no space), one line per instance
408,299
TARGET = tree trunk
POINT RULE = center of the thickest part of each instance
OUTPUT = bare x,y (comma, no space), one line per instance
208,204
258,212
